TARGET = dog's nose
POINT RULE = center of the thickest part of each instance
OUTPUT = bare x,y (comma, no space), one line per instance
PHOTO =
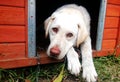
55,51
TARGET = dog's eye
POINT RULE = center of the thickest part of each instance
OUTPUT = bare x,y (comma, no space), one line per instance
55,30
69,35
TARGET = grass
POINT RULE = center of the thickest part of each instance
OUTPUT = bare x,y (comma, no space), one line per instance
108,69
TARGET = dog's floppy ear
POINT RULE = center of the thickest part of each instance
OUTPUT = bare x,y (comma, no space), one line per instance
47,24
82,34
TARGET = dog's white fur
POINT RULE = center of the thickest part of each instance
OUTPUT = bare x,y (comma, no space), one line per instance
75,20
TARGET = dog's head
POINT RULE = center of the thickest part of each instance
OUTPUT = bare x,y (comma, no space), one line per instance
65,31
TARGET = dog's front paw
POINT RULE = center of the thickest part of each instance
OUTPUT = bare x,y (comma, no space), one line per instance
74,65
89,74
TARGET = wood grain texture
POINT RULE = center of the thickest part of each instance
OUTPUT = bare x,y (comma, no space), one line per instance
10,51
111,22
19,3
44,59
12,15
114,2
26,25
118,41
113,10
18,62
12,33
108,44
102,53
110,34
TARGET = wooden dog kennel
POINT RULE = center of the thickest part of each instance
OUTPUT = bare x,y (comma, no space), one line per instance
19,20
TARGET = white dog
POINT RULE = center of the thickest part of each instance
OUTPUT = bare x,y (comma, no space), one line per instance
67,27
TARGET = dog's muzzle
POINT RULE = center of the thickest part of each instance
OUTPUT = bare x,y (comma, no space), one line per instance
55,51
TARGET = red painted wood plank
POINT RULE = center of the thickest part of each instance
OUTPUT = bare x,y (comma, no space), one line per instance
12,33
19,3
104,52
10,51
44,59
25,61
114,1
108,44
110,33
118,41
12,15
18,62
26,25
111,22
113,10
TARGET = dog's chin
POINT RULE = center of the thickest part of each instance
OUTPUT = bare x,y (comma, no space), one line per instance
56,57
60,58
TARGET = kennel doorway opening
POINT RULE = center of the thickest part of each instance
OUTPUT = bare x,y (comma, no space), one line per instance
43,9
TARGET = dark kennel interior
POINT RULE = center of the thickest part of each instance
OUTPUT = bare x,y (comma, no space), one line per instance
45,8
